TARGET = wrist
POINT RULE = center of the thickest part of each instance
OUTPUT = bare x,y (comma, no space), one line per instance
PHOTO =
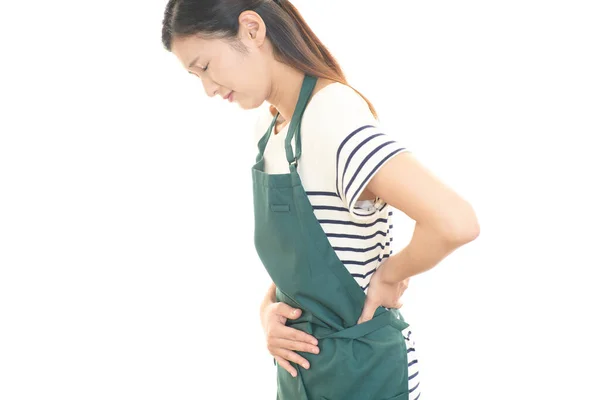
269,298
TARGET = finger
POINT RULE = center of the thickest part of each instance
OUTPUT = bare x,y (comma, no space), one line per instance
294,345
293,357
286,332
368,311
286,365
287,311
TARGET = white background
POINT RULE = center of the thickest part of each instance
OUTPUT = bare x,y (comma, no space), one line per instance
126,229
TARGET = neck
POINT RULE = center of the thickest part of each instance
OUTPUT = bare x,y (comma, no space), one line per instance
285,89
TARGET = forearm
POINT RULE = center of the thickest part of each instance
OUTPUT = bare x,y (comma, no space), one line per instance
425,250
268,299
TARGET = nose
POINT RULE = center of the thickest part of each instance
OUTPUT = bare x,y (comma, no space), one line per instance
210,87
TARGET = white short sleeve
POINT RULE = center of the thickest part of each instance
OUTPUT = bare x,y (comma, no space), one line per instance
358,158
353,136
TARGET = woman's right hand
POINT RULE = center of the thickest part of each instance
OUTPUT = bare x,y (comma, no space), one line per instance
283,341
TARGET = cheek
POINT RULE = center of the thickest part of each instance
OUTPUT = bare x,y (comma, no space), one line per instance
260,87
228,72
254,78
247,76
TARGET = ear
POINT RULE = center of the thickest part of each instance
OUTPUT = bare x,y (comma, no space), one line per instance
252,31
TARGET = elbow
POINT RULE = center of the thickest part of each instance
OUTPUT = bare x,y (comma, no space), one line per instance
462,227
464,234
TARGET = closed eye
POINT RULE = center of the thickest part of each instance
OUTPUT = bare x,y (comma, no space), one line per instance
203,69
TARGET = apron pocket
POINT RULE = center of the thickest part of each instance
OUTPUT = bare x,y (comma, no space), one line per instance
359,330
280,207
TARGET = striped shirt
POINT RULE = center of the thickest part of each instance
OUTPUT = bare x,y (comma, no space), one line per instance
414,390
343,147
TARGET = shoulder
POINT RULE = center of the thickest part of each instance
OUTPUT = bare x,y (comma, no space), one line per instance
333,107
340,107
340,91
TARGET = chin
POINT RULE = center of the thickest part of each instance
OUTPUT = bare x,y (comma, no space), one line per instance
246,105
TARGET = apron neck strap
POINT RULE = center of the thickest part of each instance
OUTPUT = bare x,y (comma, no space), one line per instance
308,85
262,143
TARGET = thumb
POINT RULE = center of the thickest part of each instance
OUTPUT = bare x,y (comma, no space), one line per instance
288,312
368,311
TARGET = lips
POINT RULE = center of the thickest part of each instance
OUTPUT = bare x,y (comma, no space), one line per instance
229,97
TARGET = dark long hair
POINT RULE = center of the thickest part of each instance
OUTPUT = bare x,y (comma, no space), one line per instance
294,43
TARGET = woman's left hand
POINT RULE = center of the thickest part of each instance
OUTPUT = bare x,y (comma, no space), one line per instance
382,293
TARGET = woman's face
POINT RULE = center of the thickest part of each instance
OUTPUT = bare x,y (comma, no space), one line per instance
240,68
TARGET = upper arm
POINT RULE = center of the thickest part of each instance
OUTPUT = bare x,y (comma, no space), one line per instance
368,160
407,185
351,141
359,156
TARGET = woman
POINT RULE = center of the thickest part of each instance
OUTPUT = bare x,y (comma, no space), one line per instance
325,179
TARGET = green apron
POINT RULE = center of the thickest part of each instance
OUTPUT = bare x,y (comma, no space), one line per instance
367,361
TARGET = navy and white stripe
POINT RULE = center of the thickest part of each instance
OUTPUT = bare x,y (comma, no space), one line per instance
359,156
414,391
360,246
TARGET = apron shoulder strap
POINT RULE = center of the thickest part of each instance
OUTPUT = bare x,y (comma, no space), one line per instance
262,143
308,85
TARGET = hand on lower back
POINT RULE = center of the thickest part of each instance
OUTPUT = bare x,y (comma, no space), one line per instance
381,293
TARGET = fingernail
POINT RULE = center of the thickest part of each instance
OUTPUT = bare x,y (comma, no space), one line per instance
316,350
306,365
294,312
